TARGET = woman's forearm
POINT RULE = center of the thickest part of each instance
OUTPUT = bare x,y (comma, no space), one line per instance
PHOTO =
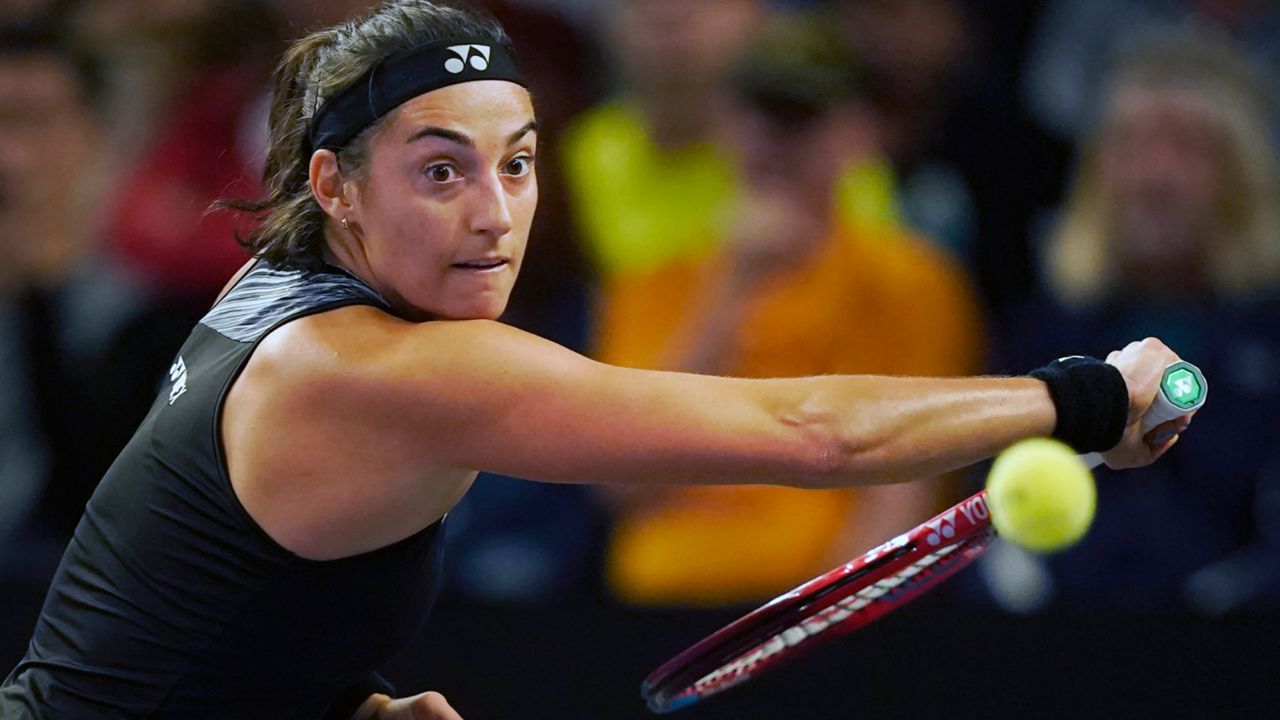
875,430
832,431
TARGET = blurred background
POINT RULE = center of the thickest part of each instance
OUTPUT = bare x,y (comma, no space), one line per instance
747,187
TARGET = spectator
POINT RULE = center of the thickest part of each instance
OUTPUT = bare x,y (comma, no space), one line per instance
791,292
1172,228
972,173
646,181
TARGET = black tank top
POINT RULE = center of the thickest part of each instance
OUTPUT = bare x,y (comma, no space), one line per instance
171,602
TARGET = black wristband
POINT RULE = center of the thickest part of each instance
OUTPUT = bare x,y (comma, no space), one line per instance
1092,401
350,699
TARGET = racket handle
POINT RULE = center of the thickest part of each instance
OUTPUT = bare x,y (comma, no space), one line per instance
1182,391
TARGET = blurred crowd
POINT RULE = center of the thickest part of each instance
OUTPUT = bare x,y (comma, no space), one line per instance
744,187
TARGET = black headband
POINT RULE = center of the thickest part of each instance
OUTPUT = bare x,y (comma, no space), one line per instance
404,76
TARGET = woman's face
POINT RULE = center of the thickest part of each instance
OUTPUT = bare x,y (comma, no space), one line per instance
440,213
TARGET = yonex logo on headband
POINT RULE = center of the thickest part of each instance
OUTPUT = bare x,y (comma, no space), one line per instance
477,56
403,76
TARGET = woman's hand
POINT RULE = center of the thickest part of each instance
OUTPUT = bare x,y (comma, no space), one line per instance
1142,364
427,706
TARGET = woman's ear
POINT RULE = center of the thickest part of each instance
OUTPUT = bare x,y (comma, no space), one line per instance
327,185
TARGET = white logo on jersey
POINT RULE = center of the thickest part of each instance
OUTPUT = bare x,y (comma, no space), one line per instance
177,376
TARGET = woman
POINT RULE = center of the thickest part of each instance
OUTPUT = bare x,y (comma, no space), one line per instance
271,534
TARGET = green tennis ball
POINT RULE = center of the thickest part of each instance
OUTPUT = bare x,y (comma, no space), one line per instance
1041,495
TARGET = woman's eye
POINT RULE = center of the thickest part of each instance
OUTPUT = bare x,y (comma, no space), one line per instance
442,173
519,167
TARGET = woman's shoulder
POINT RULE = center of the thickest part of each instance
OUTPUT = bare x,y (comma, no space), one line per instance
364,343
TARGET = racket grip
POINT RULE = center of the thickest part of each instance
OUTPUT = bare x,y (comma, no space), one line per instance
1182,391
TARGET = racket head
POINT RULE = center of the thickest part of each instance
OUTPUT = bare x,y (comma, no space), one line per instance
829,606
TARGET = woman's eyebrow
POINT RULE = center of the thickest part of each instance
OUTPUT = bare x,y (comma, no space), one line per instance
445,133
531,126
464,139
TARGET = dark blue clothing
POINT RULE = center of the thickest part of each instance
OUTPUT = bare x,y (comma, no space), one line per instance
1208,500
171,602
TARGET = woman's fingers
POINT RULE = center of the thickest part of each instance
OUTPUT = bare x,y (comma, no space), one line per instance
433,706
1160,434
372,707
427,706
1142,364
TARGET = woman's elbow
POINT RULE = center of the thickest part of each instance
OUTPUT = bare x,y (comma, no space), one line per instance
837,448
826,457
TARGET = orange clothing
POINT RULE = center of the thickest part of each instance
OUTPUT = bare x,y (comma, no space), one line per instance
889,304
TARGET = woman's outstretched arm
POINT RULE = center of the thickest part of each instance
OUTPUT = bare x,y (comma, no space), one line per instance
482,395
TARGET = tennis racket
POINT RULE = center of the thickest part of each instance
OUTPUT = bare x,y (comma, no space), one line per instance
865,588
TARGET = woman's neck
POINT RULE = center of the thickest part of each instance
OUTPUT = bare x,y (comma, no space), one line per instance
347,253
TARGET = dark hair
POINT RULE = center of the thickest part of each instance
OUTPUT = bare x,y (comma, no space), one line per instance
315,68
47,40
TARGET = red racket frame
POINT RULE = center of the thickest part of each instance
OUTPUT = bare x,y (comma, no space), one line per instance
826,607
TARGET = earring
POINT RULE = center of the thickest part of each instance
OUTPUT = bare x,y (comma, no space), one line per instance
346,225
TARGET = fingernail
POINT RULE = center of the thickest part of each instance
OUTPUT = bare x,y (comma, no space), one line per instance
1163,437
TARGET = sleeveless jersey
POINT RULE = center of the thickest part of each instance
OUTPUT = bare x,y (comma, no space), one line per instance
171,602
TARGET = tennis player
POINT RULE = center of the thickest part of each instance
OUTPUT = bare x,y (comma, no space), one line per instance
272,533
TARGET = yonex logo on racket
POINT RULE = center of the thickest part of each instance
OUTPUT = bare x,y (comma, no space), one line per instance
477,56
974,509
1183,388
943,526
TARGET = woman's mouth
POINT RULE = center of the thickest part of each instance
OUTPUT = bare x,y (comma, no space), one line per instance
483,264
